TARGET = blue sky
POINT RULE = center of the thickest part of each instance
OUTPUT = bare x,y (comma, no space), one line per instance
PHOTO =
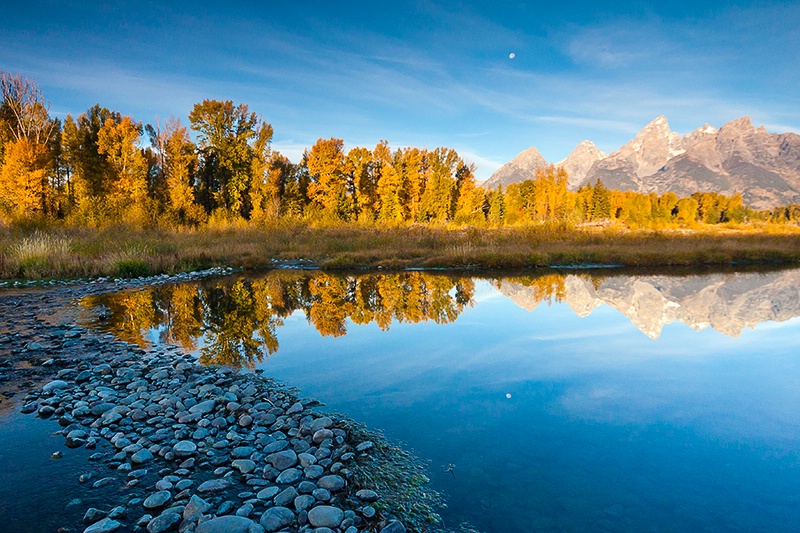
420,73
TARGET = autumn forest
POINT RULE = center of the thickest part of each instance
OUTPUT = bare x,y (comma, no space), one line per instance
103,167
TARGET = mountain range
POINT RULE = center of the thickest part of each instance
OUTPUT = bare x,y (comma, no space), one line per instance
728,303
738,158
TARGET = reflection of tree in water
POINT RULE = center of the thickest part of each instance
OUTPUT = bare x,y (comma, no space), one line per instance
546,288
239,319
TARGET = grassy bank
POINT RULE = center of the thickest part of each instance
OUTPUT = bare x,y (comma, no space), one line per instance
65,252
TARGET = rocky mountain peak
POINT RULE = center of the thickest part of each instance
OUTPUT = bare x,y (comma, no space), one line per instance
706,132
579,161
522,167
738,158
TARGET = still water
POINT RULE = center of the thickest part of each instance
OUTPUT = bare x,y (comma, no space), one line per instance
565,402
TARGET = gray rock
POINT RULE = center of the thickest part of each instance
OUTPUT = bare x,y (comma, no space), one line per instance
276,518
286,497
296,407
306,487
184,448
322,495
283,460
332,483
364,446
325,516
141,457
166,521
322,434
306,459
245,510
276,446
245,466
229,524
157,499
106,525
76,438
367,495
55,385
203,407
242,452
289,476
93,515
213,485
303,502
268,493
196,507
313,471
394,527
324,422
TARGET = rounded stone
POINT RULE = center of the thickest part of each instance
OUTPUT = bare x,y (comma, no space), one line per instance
141,457
268,493
106,525
157,499
303,502
367,495
286,497
245,466
55,385
325,516
394,527
276,518
184,448
213,485
332,483
164,522
229,524
283,460
289,476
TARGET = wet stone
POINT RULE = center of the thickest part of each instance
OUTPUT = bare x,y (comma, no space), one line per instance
229,524
325,516
157,499
276,518
289,476
106,525
164,522
332,483
213,485
286,497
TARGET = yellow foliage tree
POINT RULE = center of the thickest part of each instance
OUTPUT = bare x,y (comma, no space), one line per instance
127,194
23,180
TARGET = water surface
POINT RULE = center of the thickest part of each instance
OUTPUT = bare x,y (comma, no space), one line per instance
564,402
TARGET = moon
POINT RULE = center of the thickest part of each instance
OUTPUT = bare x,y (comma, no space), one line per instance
512,55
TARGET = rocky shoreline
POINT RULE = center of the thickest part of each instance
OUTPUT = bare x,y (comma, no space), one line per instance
185,447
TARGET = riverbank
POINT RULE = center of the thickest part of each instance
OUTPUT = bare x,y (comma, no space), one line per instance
175,445
128,252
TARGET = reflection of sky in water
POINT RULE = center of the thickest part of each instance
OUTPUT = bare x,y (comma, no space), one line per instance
605,429
600,415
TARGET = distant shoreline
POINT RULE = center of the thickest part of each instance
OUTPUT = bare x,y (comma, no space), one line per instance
124,252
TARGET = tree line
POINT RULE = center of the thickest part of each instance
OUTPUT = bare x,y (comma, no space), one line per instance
103,167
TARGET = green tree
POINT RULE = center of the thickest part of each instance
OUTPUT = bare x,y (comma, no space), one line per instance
226,135
600,203
497,207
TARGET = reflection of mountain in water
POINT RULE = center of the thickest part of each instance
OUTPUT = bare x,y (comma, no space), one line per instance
726,302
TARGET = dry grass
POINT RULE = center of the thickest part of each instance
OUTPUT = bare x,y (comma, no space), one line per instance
122,251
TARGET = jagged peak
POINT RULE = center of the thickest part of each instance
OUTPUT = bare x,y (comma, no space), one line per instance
706,129
584,147
739,123
529,152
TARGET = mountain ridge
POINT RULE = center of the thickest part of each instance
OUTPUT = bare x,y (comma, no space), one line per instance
736,158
